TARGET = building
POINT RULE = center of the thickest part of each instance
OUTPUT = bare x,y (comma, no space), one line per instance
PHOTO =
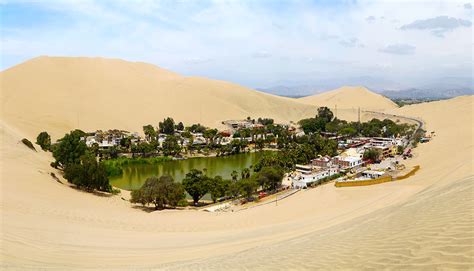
105,139
372,174
323,162
348,162
386,146
306,175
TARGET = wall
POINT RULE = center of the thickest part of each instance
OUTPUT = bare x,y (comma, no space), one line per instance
382,179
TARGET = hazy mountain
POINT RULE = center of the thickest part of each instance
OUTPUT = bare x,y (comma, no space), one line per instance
426,93
439,88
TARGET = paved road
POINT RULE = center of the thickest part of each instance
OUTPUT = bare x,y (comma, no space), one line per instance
419,122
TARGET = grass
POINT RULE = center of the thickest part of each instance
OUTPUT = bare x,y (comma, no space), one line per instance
114,167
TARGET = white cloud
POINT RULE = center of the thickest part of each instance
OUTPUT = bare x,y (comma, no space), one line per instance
399,49
261,54
301,39
438,25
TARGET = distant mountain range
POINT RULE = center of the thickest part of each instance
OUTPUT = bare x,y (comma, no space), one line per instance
441,88
425,93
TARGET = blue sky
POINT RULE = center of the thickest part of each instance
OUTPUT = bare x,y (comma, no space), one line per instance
254,43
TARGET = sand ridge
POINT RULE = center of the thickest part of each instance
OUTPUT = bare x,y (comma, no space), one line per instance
423,222
350,97
64,93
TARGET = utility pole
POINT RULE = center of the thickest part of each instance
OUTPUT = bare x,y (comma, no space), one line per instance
336,110
358,115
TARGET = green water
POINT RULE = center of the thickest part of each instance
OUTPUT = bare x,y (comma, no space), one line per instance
134,176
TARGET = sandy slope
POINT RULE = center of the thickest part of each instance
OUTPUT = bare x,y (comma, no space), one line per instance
62,93
348,99
425,221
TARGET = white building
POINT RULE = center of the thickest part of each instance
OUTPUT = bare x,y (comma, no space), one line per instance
302,177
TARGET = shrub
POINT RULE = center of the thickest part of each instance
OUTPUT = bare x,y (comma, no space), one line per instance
69,149
28,144
248,187
196,184
115,191
161,192
269,178
182,203
88,174
218,187
44,140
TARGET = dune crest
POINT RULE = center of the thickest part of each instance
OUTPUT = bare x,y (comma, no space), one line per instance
58,94
422,222
350,97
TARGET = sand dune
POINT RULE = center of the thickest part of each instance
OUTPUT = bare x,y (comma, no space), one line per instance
348,99
60,94
423,222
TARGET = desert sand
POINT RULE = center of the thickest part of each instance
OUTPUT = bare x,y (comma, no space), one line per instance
346,101
96,93
425,221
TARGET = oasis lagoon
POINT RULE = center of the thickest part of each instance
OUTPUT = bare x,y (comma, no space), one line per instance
134,176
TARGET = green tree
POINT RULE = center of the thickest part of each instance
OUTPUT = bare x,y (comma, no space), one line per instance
269,178
44,140
348,131
234,175
197,128
248,187
260,143
171,146
218,187
180,126
69,149
312,125
167,126
88,174
209,134
196,184
245,173
149,131
325,113
371,154
145,148
126,142
161,192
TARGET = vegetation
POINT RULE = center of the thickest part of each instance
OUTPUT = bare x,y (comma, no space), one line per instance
269,178
324,122
180,126
318,123
150,133
265,121
171,146
167,126
161,192
88,174
28,144
196,184
418,136
327,179
218,187
44,141
372,155
299,150
69,149
248,187
114,167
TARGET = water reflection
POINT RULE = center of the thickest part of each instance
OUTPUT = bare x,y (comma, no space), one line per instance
135,175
